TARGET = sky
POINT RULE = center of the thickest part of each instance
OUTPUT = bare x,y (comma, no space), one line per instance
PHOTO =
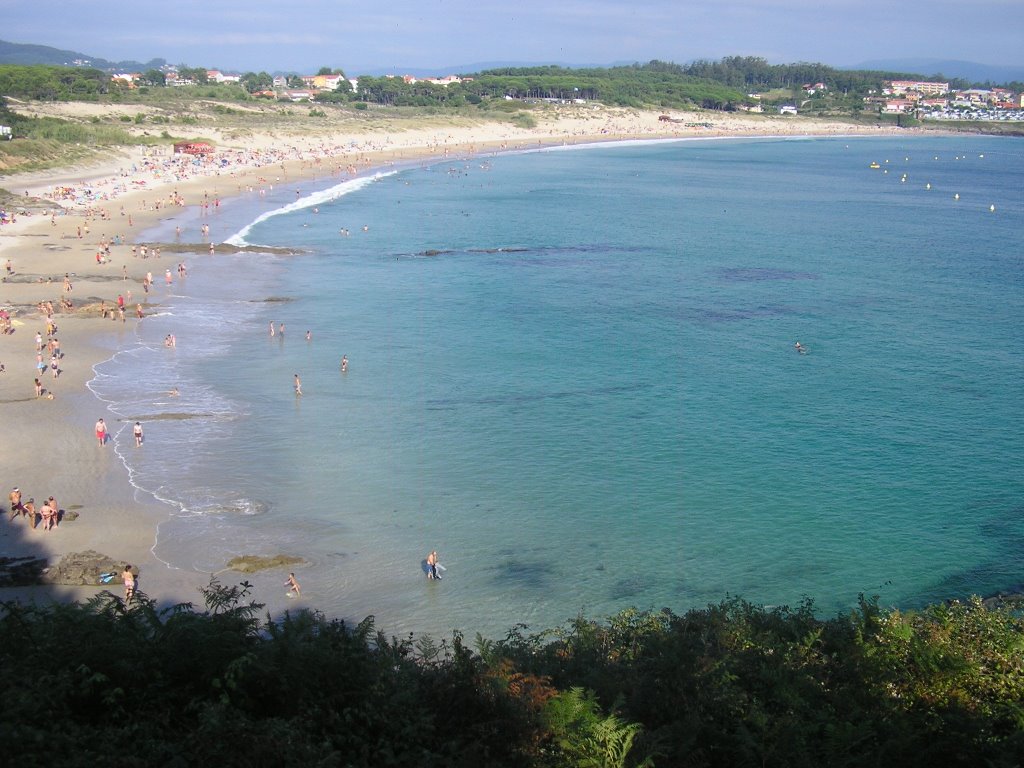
303,35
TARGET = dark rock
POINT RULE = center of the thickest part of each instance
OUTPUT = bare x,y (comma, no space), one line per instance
84,569
21,571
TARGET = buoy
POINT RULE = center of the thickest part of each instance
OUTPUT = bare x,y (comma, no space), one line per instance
992,208
956,196
928,185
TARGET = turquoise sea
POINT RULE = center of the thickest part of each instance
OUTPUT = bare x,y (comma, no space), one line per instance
573,374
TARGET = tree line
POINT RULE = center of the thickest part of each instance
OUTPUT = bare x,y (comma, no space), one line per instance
732,684
724,84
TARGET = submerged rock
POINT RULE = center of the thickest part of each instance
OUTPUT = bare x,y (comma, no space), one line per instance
254,563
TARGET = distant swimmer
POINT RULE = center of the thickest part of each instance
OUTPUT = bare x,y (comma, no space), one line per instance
298,385
173,392
344,364
800,348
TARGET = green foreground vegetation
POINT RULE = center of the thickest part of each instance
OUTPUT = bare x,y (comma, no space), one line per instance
730,685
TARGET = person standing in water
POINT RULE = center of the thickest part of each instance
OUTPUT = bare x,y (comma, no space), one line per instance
293,584
298,385
137,432
432,566
344,364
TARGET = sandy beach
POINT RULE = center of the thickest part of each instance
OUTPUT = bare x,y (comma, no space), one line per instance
77,238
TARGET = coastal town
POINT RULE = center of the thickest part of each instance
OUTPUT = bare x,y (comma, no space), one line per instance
923,99
929,100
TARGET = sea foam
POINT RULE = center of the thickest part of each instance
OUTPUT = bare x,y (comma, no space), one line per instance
316,198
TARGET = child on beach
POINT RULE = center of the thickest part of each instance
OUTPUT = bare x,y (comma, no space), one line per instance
29,510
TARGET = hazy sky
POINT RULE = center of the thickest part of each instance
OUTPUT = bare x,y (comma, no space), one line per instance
303,35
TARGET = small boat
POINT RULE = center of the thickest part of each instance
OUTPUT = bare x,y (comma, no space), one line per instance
874,165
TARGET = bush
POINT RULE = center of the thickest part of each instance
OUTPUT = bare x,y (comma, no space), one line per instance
523,120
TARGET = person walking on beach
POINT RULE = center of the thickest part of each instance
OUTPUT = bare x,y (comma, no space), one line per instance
15,498
293,584
129,583
101,432
298,385
137,432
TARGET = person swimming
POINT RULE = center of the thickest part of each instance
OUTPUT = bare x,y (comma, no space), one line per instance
800,348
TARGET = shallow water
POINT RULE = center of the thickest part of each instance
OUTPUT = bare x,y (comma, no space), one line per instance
572,373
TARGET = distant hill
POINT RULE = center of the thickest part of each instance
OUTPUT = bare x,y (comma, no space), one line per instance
20,53
968,70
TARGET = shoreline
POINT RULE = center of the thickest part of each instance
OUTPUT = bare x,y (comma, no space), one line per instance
67,463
